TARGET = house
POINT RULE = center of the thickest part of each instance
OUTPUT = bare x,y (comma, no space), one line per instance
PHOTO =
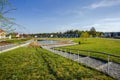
14,35
17,35
2,34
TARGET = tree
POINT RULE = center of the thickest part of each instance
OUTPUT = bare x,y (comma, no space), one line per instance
100,34
92,32
93,29
5,22
84,36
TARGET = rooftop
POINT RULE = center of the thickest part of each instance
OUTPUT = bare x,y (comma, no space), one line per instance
1,31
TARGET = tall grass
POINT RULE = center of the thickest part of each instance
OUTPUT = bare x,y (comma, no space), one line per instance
39,64
15,40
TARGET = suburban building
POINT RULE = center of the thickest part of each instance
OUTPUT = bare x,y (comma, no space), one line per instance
2,34
69,35
112,34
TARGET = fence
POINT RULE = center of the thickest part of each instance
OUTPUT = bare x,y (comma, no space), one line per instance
105,62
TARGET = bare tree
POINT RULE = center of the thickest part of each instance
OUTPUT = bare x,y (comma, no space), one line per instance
5,22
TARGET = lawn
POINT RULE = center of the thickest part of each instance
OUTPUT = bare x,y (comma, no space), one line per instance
107,45
38,64
15,40
111,46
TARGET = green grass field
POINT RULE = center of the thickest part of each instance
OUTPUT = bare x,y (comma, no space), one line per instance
111,46
39,64
15,40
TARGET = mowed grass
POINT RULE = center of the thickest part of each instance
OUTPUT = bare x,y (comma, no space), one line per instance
110,46
39,64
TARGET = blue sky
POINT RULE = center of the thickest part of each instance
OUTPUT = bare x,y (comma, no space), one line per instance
41,16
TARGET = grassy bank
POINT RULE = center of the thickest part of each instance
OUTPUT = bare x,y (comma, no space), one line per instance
39,64
111,46
12,41
15,40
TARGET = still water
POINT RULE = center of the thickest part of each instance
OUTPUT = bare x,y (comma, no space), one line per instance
44,42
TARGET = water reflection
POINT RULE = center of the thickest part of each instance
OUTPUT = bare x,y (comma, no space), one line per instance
44,42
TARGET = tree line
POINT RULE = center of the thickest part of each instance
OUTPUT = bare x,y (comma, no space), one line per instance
91,33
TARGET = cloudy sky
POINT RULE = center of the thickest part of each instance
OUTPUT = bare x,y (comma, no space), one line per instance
38,16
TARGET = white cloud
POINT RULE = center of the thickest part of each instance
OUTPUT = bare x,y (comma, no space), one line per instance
104,3
107,27
111,20
103,25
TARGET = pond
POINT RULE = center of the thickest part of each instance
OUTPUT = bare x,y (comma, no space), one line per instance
45,42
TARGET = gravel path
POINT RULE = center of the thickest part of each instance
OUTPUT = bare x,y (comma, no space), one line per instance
9,47
5,47
114,68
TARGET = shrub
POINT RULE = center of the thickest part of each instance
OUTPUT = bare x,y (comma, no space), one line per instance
34,44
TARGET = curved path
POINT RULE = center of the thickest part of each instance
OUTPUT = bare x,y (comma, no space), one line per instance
9,47
114,68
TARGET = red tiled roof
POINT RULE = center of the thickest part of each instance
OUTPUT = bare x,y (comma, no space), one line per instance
1,31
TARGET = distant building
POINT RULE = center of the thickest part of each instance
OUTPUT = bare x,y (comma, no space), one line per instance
24,36
68,35
9,37
112,34
17,35
2,34
51,36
